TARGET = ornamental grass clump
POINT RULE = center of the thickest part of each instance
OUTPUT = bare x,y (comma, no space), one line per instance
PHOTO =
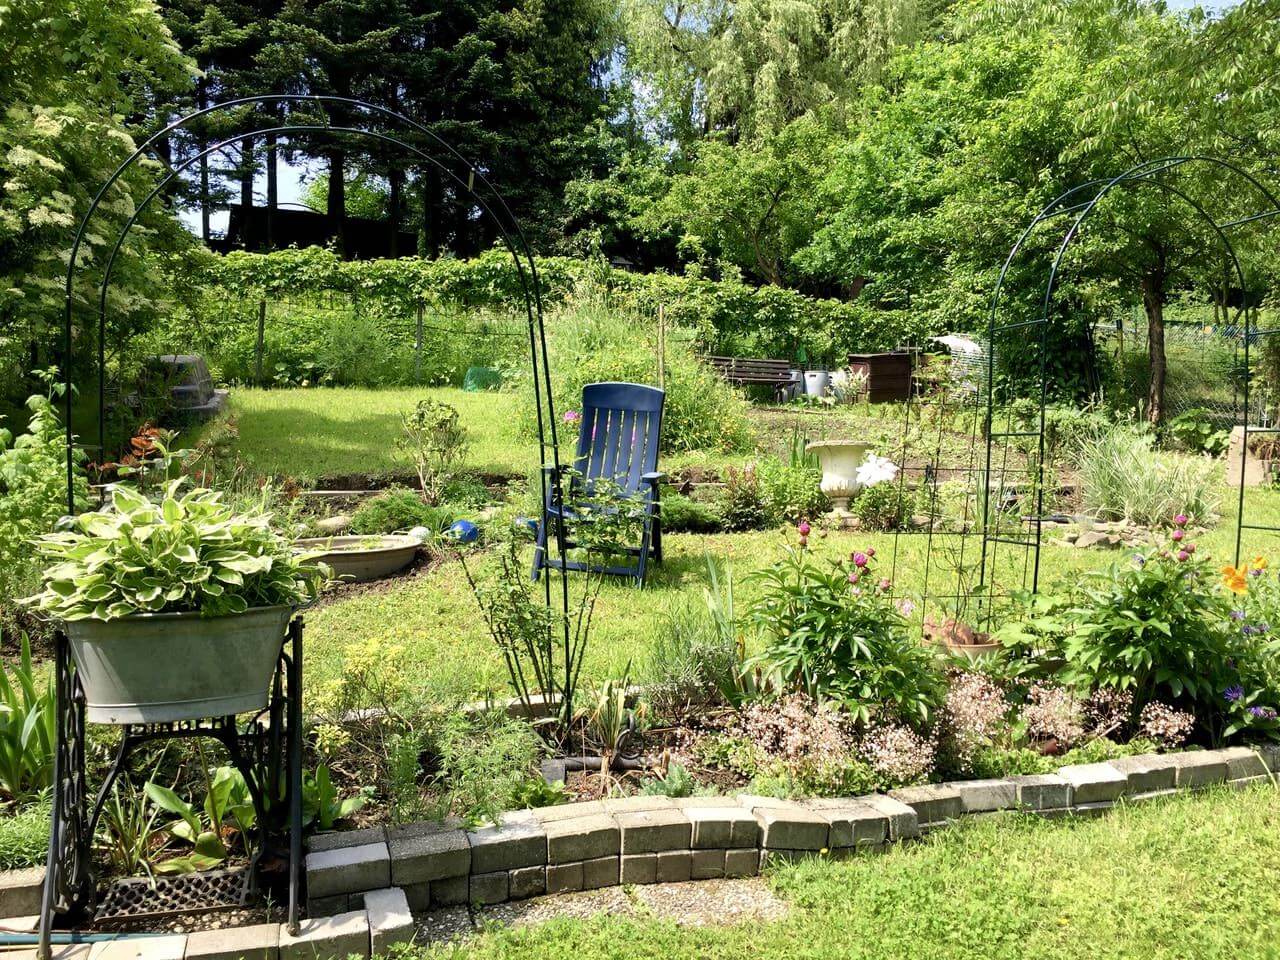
188,553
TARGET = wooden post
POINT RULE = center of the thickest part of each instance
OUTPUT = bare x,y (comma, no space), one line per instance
262,331
417,349
662,345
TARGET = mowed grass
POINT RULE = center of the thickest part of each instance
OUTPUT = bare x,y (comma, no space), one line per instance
1189,877
312,434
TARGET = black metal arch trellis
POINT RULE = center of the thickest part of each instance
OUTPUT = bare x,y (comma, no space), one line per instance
69,885
1082,201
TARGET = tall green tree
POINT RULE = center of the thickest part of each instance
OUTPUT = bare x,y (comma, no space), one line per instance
68,122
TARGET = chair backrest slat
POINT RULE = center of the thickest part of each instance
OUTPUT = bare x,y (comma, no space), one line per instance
618,437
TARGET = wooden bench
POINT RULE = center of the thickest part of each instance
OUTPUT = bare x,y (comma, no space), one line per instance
743,371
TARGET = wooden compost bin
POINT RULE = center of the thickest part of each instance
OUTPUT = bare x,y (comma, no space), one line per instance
888,374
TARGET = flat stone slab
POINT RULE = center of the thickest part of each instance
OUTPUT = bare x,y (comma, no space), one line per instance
1041,791
792,828
327,938
854,823
637,804
390,920
337,839
1094,782
427,853
582,838
172,947
507,847
933,803
720,825
903,822
20,891
983,796
348,870
567,811
1146,773
649,831
1243,763
527,882
1199,768
258,942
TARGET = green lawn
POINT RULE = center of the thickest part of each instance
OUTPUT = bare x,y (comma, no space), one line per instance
1187,877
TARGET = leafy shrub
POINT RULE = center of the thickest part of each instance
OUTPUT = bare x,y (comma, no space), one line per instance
24,837
791,493
535,791
28,729
744,507
33,495
398,509
191,552
1125,478
681,514
484,764
833,632
691,663
1195,432
436,442
677,781
882,506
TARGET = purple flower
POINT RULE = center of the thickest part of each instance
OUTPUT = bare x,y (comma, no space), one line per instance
1263,713
1179,534
1140,560
1180,519
1233,693
1237,615
859,559
572,416
1183,556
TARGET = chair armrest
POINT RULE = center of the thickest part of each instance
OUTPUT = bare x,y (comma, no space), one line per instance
654,478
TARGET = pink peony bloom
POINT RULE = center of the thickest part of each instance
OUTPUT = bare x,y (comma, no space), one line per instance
1179,534
1180,519
859,559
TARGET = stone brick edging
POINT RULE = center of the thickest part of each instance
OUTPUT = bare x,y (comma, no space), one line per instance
363,884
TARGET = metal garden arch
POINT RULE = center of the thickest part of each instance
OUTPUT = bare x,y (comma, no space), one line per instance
68,884
1082,201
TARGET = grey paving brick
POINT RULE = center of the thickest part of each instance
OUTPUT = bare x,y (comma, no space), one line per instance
259,941
903,822
507,847
1145,773
328,906
853,822
528,882
327,938
348,870
600,872
721,825
932,802
1243,763
649,831
582,838
675,866
418,895
390,919
778,858
792,828
173,947
1093,782
637,804
337,839
490,887
1270,755
742,863
20,891
567,811
1097,809
1198,768
450,891
639,868
706,864
564,877
1041,791
982,796
426,853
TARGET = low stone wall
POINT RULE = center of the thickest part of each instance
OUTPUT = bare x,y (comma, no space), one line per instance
363,885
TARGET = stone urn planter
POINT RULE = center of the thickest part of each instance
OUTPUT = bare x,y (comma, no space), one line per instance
169,667
840,460
357,559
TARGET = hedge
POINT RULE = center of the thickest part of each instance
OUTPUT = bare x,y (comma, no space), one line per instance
729,316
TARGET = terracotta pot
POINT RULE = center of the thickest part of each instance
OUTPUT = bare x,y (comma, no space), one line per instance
958,637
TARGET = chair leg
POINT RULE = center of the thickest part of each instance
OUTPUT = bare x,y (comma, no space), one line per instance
657,539
642,561
539,549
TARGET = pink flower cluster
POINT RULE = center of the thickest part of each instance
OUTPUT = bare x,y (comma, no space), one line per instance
1185,550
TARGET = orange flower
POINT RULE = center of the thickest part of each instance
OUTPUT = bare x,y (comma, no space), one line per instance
1259,563
1234,579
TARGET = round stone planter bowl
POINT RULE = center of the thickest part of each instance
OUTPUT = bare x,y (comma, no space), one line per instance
959,638
357,559
169,667
840,460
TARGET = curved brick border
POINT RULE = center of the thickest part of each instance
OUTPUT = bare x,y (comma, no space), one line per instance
363,884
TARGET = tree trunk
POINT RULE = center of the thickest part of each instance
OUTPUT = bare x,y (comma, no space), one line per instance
202,143
396,178
338,200
1153,304
247,240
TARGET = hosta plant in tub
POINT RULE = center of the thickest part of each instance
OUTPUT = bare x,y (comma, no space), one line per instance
175,609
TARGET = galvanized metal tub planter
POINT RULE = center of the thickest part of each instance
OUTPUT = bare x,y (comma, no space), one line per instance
357,559
170,667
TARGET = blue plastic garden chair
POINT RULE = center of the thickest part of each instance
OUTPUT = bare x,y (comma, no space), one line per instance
618,438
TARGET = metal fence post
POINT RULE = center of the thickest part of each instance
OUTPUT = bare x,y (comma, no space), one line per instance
257,350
